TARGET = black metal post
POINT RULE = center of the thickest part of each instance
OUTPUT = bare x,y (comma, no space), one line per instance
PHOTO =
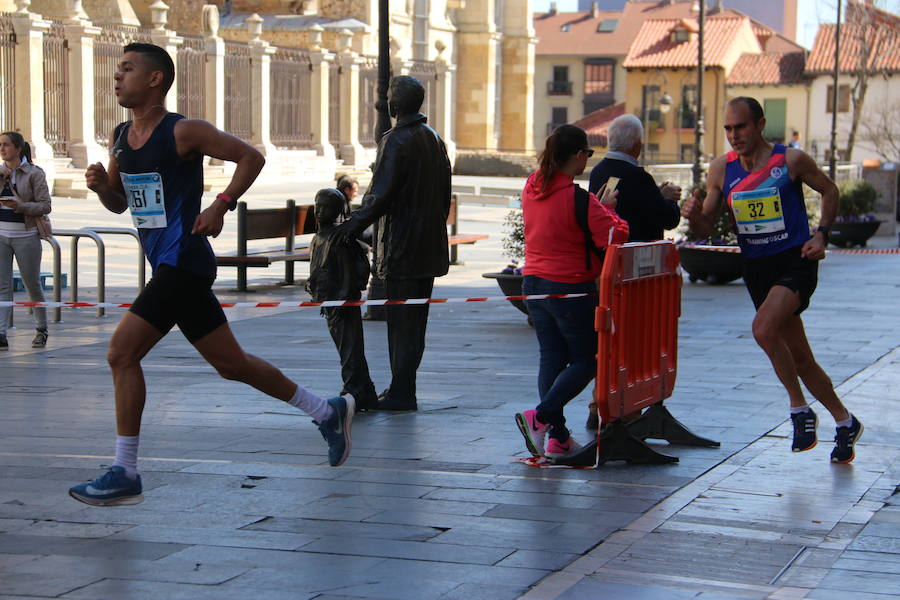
384,68
832,160
699,125
377,288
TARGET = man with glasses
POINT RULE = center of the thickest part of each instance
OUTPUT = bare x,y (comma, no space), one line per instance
648,208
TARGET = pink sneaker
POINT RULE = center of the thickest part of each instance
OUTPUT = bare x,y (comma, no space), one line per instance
557,449
533,431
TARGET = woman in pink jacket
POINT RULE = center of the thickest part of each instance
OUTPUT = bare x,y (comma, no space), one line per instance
556,263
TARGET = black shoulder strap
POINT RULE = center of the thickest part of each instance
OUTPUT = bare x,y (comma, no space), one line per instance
581,217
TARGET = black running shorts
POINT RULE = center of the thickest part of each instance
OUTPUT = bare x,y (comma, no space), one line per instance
787,269
174,296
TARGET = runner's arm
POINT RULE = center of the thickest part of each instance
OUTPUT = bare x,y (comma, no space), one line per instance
805,170
702,216
107,184
195,137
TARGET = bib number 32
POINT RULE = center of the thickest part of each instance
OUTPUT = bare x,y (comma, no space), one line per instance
146,199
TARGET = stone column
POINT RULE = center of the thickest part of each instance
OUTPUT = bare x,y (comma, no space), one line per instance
351,150
319,96
29,82
214,111
165,38
443,120
83,146
517,79
261,52
476,81
399,64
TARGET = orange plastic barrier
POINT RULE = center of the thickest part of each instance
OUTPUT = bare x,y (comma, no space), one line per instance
637,324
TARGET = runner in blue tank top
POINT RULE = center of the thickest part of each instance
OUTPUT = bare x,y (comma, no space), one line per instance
762,184
155,169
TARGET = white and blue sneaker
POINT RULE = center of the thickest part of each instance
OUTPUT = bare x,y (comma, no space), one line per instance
113,488
336,430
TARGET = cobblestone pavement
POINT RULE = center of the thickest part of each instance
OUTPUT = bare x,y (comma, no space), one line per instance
240,501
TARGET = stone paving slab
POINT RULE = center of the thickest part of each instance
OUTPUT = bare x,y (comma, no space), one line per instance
240,499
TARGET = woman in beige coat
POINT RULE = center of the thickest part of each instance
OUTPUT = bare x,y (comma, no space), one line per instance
24,200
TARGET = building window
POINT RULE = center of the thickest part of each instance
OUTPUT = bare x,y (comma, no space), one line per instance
607,25
559,115
686,153
843,98
560,86
688,111
650,112
680,35
776,119
599,83
420,29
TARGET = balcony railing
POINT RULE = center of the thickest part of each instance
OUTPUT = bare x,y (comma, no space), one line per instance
559,88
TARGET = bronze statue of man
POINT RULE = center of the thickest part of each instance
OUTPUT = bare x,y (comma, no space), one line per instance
409,196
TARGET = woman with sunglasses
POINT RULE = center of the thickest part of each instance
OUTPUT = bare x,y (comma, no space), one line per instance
555,263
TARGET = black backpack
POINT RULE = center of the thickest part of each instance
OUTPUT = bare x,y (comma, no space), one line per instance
582,197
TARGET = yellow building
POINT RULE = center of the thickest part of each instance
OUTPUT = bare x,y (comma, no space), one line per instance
661,80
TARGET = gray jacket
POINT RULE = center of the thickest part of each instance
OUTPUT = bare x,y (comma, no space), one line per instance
31,191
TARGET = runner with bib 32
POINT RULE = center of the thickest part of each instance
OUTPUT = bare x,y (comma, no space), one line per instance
763,186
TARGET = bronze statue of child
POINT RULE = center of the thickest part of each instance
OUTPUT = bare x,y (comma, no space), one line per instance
339,270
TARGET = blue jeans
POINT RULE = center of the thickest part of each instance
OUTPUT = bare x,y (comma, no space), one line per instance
568,343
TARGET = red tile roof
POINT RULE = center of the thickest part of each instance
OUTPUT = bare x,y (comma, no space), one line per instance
883,54
771,68
653,46
596,123
584,39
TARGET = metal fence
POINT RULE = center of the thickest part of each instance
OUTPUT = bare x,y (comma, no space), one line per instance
368,94
191,70
238,90
334,106
291,126
56,89
7,74
107,54
426,73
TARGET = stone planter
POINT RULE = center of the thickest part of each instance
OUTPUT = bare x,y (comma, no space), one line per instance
852,233
706,263
510,285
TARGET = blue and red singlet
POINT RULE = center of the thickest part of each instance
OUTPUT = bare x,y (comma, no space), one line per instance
768,208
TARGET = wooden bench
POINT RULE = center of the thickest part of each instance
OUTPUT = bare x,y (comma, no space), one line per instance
294,220
455,238
268,223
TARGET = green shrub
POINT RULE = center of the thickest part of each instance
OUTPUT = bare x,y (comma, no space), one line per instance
856,198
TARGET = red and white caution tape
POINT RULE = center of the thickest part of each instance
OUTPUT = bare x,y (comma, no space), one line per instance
737,249
310,304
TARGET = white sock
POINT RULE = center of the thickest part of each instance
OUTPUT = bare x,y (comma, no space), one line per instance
126,454
845,423
311,404
795,410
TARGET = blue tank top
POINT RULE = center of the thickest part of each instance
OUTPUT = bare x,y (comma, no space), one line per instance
163,192
768,208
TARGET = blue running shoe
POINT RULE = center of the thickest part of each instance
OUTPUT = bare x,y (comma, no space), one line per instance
336,430
844,440
111,489
805,424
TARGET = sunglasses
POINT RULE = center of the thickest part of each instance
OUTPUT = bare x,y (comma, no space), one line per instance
587,152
